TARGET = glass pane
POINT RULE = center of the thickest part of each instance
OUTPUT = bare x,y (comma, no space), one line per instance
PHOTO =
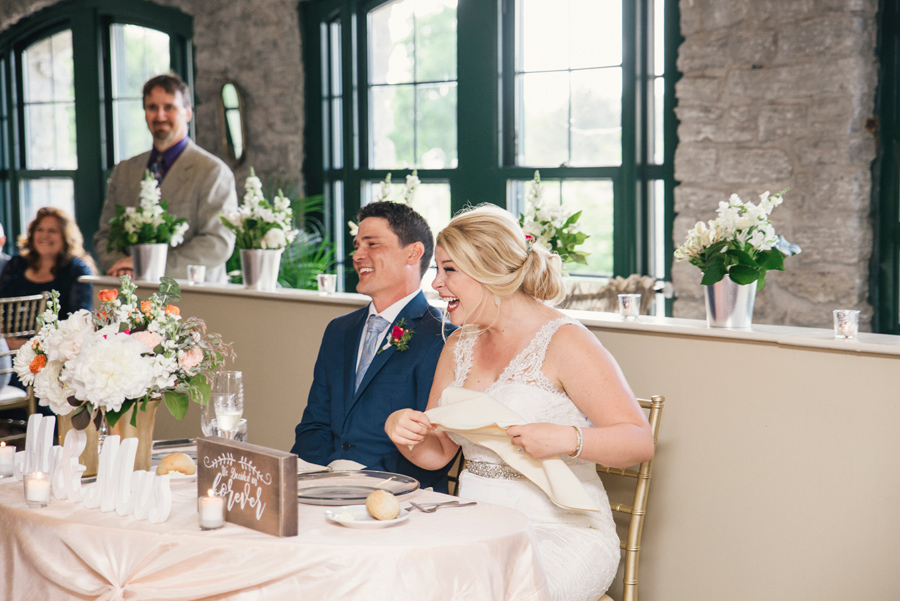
544,120
596,117
393,112
658,237
595,33
436,41
436,125
391,43
138,53
50,136
335,59
132,136
46,192
543,31
595,199
659,91
659,37
48,70
233,122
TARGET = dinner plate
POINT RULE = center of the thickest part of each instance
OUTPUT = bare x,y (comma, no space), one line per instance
350,487
356,516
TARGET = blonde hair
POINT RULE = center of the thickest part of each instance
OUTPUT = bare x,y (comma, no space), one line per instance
487,244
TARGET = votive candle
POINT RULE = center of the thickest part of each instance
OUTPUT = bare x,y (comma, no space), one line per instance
212,511
37,490
7,459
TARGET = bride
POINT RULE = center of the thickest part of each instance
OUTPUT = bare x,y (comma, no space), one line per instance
547,368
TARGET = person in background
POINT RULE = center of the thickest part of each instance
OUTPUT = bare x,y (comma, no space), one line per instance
52,257
197,185
4,258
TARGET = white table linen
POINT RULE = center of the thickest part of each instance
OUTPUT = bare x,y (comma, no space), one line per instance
66,551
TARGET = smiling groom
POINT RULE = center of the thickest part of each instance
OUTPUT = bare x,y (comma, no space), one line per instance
363,372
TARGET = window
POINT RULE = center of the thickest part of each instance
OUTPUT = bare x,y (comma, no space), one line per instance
56,68
477,95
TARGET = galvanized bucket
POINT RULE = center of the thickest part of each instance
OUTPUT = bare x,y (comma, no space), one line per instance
730,305
259,268
149,261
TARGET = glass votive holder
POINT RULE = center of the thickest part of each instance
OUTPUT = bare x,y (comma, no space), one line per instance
196,274
37,489
629,305
326,283
7,460
212,511
846,324
239,434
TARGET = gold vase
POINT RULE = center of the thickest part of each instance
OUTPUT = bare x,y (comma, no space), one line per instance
146,420
90,457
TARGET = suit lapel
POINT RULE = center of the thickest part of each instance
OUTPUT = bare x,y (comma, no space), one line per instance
178,175
352,340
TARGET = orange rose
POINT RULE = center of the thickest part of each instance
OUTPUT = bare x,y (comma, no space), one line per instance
108,295
38,363
172,310
146,306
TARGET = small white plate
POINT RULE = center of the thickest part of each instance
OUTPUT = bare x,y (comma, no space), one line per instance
361,517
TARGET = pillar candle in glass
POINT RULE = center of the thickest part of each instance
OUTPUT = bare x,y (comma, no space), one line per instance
629,305
37,489
846,324
212,511
7,458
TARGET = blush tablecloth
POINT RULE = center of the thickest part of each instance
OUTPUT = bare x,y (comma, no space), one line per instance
65,551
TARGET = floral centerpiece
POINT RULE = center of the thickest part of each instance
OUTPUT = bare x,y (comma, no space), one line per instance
258,223
148,223
554,226
740,242
125,353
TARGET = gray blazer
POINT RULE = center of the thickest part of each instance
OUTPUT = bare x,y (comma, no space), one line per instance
198,187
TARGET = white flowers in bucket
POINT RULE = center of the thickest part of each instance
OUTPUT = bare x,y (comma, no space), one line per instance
258,223
148,223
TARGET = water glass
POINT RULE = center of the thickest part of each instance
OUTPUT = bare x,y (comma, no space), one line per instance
327,283
229,409
846,324
629,305
196,274
240,433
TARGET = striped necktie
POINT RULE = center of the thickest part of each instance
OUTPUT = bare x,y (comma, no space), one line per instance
370,344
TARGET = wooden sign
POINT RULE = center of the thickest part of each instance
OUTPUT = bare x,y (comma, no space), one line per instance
259,485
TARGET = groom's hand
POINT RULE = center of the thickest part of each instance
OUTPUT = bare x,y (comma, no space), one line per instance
407,427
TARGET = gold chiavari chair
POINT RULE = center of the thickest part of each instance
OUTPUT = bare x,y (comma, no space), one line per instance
638,509
18,319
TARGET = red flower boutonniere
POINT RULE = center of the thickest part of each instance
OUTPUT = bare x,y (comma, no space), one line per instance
399,337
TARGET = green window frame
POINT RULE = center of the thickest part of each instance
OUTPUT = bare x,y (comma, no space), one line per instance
335,42
89,22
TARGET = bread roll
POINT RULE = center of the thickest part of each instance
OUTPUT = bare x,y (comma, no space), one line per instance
382,505
176,462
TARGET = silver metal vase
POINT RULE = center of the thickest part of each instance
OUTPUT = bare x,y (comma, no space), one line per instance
730,305
149,261
259,268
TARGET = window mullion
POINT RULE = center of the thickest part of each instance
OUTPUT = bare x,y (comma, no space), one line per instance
625,212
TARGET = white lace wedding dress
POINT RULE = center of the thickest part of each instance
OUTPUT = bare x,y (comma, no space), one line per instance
579,549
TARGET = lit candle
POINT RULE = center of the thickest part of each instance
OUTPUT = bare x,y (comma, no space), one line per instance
37,490
212,511
7,457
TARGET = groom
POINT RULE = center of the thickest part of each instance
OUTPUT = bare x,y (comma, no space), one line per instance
363,374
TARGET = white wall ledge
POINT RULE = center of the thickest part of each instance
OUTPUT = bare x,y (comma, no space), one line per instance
813,338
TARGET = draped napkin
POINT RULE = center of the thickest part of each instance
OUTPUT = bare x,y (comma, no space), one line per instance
483,420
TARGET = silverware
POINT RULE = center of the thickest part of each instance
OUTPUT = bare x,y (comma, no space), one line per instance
174,442
432,507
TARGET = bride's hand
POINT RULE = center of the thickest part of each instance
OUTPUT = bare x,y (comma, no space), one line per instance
543,440
407,427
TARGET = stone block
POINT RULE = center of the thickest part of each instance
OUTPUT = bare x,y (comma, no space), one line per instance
697,90
832,34
695,162
753,165
806,80
726,48
708,15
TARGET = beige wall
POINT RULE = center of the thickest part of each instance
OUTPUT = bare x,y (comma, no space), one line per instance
775,474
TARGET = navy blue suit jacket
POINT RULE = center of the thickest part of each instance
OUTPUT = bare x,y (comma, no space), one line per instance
339,423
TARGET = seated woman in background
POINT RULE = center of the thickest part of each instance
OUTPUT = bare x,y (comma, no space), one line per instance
52,257
552,372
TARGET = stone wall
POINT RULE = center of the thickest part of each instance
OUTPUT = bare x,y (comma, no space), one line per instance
256,45
776,95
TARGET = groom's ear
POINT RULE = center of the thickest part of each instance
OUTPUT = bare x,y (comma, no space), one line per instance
414,253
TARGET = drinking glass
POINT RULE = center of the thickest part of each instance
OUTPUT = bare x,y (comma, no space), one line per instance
326,283
629,305
846,324
229,382
229,408
196,274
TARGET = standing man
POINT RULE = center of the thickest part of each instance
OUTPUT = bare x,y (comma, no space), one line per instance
363,373
197,185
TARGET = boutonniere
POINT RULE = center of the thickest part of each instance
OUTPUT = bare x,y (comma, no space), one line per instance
399,337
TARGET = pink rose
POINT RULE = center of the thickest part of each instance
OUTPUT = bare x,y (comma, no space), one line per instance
151,339
191,359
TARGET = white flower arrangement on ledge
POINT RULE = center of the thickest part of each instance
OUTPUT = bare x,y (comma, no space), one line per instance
148,223
407,194
553,226
741,242
258,223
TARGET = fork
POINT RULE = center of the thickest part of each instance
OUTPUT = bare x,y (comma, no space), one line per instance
434,507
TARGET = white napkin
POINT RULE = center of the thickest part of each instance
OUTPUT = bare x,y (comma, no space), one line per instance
345,465
483,420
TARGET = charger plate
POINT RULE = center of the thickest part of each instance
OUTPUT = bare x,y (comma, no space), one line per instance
351,487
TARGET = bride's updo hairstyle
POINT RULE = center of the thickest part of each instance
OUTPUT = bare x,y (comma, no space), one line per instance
487,244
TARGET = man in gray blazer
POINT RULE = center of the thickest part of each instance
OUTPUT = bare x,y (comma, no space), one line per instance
197,185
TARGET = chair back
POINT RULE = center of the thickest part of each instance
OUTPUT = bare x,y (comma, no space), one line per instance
18,319
638,509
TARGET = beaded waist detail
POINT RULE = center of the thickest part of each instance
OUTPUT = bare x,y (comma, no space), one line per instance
493,470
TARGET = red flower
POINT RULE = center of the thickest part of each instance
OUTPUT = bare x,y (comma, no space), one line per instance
397,332
38,363
172,310
108,295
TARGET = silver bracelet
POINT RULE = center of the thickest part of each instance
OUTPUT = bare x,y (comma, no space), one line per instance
579,445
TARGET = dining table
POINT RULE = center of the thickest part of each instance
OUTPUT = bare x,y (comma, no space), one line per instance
67,551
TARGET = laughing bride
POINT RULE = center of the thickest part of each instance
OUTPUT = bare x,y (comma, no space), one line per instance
548,369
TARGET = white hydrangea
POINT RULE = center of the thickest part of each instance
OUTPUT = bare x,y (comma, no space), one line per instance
52,390
63,343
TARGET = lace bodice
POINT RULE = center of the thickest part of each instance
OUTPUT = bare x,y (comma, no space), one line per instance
522,386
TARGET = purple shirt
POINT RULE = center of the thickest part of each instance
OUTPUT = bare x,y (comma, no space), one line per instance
165,159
